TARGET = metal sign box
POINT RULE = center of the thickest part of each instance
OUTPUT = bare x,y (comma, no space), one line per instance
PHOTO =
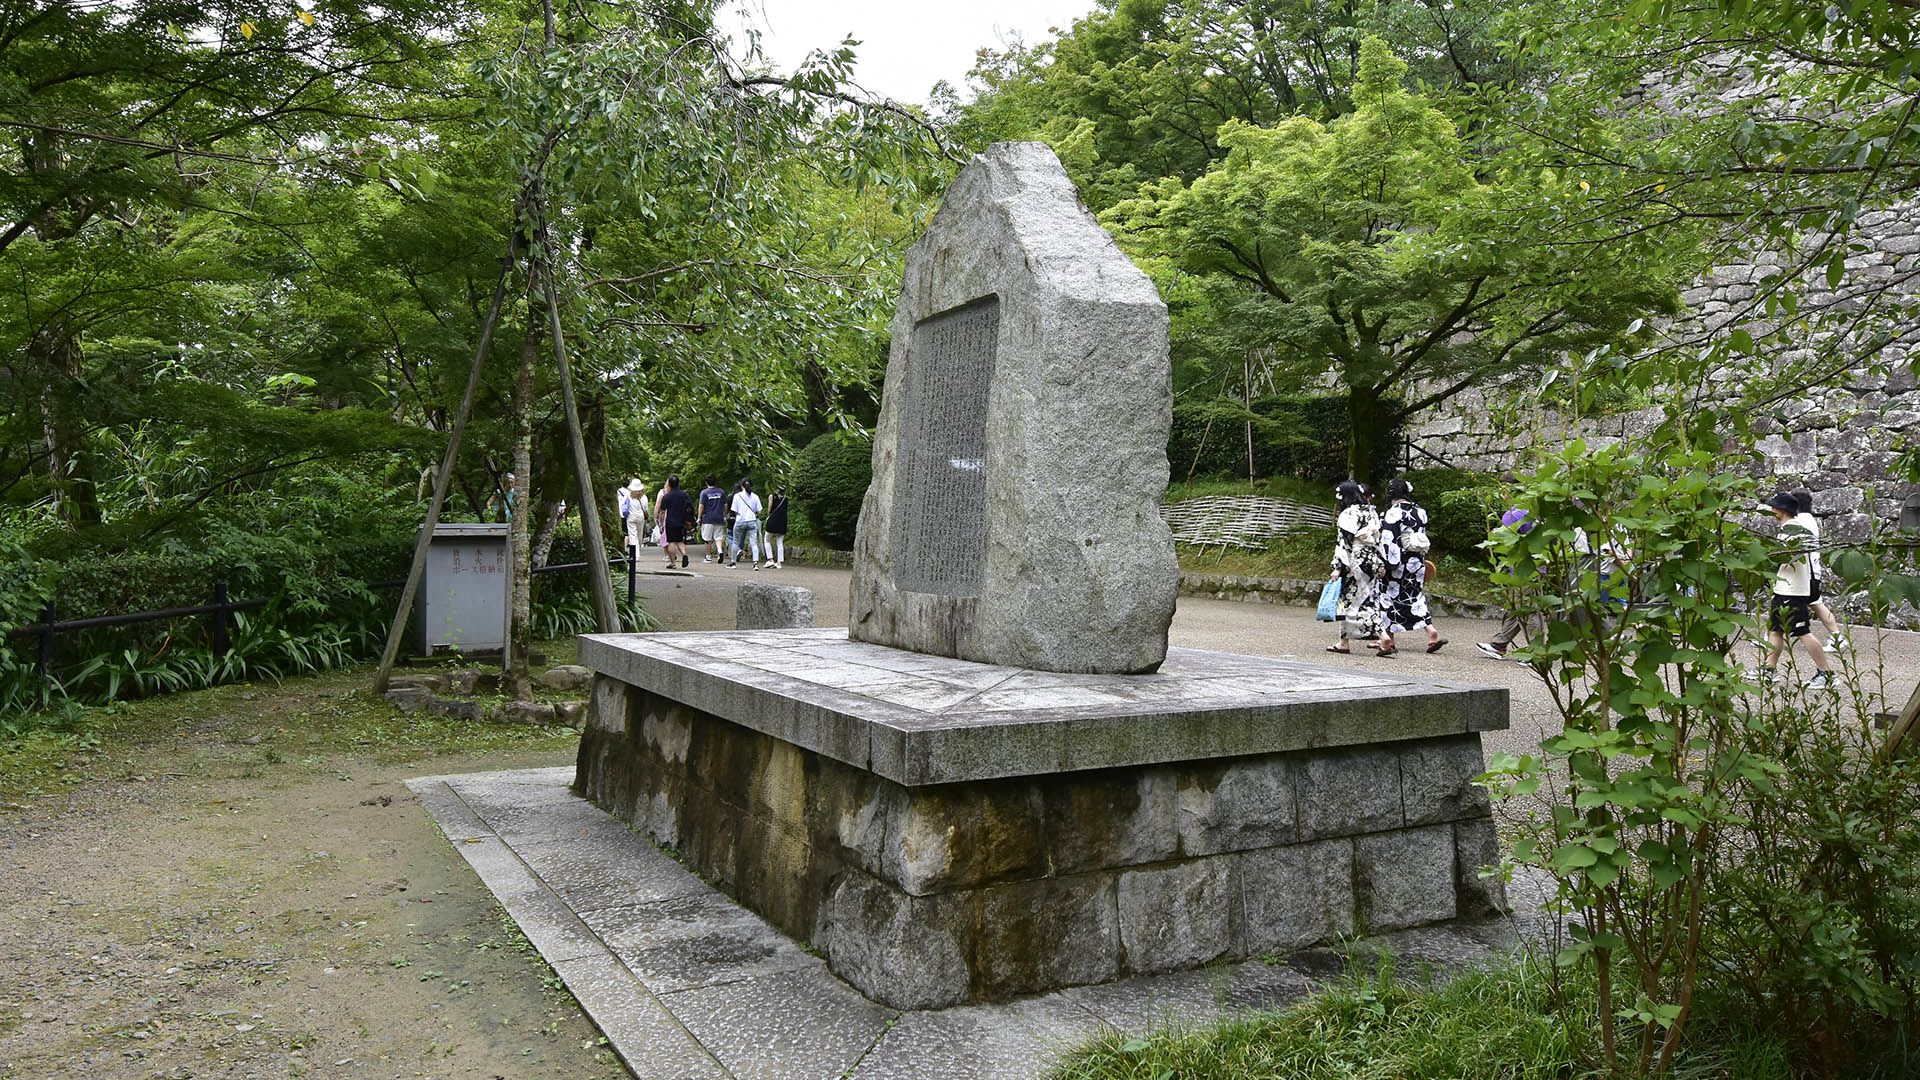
462,602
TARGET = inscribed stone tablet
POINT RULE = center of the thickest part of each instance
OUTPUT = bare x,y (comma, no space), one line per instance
940,500
1021,450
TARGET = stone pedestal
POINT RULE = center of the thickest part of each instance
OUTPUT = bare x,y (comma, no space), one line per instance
946,831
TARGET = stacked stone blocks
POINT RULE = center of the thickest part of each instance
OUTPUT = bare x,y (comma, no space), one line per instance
936,895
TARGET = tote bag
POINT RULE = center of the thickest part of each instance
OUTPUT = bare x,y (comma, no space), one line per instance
1329,609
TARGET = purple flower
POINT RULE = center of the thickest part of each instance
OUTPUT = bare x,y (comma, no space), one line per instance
1517,518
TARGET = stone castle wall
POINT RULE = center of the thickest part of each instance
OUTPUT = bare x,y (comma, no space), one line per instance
1841,440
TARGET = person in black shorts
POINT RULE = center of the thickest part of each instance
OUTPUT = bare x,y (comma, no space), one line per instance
674,510
1790,618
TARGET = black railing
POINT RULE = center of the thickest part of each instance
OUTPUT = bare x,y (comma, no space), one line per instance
51,626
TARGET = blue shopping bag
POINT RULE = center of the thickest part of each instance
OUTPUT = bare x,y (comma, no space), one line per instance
1329,602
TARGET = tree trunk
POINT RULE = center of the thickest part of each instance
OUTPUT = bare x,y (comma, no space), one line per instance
1363,430
550,518
519,546
55,352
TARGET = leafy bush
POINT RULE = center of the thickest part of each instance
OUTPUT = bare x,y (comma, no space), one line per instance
312,551
829,482
1304,437
1724,844
1458,504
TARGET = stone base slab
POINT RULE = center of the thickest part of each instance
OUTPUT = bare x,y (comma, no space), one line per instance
1269,810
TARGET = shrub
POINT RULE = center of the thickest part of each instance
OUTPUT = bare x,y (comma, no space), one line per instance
1305,437
829,482
1458,504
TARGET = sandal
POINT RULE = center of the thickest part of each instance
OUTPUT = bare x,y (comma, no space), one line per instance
1388,651
1338,649
1435,645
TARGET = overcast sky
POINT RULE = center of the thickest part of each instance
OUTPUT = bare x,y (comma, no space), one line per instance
905,45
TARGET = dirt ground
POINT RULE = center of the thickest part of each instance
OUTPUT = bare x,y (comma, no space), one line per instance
236,883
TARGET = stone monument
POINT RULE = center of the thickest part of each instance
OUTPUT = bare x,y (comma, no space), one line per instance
1020,457
1000,780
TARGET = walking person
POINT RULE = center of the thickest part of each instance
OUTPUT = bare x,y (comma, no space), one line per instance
1405,546
633,516
1357,565
776,526
1789,620
713,516
746,522
1511,625
674,510
1804,518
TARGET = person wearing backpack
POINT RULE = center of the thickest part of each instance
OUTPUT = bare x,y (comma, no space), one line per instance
1357,565
1405,545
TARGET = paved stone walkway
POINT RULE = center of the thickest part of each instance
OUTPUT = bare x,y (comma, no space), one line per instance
686,984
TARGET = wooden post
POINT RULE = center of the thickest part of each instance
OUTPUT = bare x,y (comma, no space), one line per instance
606,611
44,664
1902,728
441,479
222,645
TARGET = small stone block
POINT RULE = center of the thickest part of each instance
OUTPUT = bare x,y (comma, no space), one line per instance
1177,916
565,678
1039,935
408,699
763,606
1237,807
1296,896
535,713
571,713
1099,821
909,952
1436,780
607,709
1476,847
457,709
1405,878
1347,792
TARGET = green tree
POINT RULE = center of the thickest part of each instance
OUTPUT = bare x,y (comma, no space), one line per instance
1366,249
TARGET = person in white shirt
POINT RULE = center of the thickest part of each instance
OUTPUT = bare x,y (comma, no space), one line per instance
1789,619
746,522
633,516
1805,519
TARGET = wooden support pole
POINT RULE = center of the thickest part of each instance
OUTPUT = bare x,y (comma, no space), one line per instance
606,611
445,475
1902,728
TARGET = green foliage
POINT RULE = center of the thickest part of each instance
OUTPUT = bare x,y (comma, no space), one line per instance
1815,918
1372,249
1460,509
1640,571
829,482
1300,437
1514,1020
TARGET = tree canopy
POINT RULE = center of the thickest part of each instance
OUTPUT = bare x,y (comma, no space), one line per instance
1367,249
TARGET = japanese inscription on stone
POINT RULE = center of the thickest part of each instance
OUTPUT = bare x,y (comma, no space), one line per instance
940,501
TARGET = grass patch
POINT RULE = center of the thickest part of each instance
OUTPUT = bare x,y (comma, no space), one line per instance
1495,1024
298,723
1272,487
1309,555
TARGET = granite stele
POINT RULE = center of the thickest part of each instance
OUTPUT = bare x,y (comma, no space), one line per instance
1021,454
1001,781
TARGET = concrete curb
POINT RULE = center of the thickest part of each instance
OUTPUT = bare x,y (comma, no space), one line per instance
1306,593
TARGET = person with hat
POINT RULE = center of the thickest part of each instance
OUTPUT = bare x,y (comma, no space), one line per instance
634,514
1790,618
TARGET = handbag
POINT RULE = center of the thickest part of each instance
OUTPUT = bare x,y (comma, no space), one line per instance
1329,609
